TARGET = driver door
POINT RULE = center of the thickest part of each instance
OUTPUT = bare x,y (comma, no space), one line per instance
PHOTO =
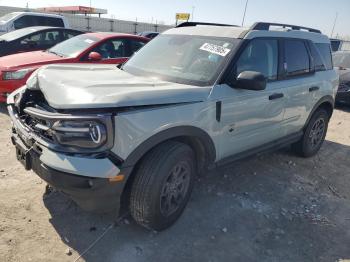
249,118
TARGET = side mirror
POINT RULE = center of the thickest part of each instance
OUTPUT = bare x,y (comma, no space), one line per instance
251,80
94,56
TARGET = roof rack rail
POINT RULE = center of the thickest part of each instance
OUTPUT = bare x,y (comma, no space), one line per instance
266,26
185,24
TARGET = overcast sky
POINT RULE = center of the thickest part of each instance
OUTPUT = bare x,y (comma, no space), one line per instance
312,13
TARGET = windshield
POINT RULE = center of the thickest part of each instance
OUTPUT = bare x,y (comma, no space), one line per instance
17,34
341,59
185,59
74,46
7,17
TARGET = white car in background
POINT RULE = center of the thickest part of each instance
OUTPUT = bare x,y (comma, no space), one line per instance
18,20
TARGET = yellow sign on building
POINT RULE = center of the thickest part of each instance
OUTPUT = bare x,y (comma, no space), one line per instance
183,16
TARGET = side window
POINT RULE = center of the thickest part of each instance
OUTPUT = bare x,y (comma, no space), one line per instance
261,55
52,37
33,38
116,48
326,54
297,58
23,21
37,21
317,59
52,21
134,45
44,38
33,20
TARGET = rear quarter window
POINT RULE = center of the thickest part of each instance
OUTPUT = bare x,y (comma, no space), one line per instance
52,21
49,21
326,54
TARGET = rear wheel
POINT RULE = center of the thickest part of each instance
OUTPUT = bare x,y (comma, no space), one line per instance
162,185
314,134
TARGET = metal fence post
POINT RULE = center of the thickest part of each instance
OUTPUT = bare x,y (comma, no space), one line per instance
112,25
135,24
88,23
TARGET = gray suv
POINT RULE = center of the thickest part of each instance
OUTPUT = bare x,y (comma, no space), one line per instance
133,137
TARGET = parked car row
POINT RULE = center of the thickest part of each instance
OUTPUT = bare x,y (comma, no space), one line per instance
106,48
198,96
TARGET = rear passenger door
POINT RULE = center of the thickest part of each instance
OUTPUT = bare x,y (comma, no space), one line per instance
301,84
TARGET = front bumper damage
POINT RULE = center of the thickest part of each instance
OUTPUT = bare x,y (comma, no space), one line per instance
89,181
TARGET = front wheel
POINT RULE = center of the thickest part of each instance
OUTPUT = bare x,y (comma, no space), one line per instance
314,134
162,186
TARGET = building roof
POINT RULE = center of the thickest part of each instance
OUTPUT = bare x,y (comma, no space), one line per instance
74,10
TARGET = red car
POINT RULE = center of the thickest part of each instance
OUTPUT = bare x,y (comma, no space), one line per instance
105,48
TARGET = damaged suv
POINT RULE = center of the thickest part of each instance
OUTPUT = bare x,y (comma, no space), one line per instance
196,97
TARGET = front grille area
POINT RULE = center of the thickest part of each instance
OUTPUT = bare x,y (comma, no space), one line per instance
59,130
39,126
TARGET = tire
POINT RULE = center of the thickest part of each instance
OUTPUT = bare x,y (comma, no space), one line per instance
166,173
308,145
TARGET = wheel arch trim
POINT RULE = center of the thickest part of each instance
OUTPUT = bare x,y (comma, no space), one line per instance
324,100
172,133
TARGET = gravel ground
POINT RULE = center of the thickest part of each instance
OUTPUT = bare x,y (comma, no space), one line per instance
270,207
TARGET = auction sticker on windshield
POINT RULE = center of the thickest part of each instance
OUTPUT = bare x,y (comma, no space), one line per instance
89,41
215,49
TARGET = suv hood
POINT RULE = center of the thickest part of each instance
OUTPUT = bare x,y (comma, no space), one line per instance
72,86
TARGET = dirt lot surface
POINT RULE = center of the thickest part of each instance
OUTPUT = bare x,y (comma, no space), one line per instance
270,207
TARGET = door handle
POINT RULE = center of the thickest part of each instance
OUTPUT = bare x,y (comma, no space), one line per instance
314,88
276,96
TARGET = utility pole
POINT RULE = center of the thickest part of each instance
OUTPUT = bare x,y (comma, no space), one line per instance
335,21
245,10
193,7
